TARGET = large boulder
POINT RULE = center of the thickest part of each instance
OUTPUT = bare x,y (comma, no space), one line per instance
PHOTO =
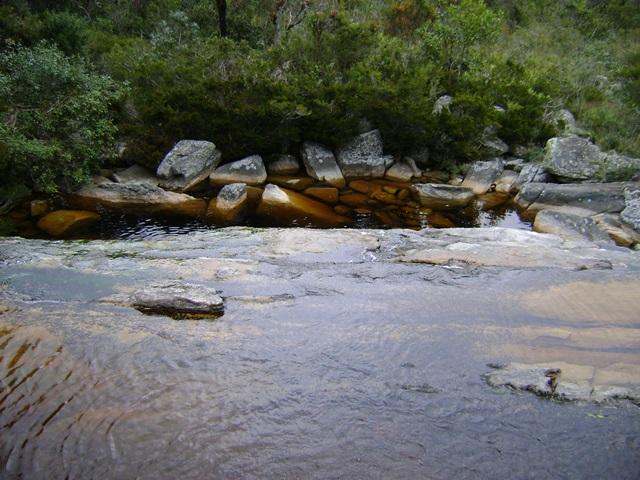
403,171
363,156
482,175
250,170
631,213
230,206
63,223
507,182
189,163
321,164
598,197
442,197
136,198
570,225
572,158
178,300
283,165
281,206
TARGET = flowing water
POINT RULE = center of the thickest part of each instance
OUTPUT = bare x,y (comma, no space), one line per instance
323,366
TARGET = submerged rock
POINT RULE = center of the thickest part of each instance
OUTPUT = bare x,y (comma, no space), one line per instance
283,206
250,170
189,163
293,183
321,164
179,300
363,156
137,198
63,223
482,175
442,197
326,194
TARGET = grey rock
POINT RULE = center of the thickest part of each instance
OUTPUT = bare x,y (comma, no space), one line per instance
621,233
572,158
321,164
533,173
189,163
136,198
494,146
135,174
616,167
599,197
514,163
566,123
482,175
442,104
441,196
250,170
569,225
363,156
402,171
283,165
178,299
230,206
631,213
538,380
507,182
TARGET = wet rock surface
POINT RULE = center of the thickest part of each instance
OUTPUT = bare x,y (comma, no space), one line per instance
178,300
335,351
444,197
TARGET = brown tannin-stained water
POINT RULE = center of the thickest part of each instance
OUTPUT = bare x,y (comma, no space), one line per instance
331,361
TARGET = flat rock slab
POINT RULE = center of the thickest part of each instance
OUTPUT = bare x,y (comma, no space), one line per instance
179,300
598,197
570,226
441,196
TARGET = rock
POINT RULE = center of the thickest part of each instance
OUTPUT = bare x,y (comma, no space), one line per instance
570,226
230,206
189,163
135,174
402,171
321,164
510,248
63,223
293,183
442,104
455,180
326,194
539,380
283,165
363,156
249,170
631,213
619,167
342,210
493,146
566,124
482,175
490,200
254,196
442,197
357,200
420,157
138,199
618,231
600,198
38,208
364,186
514,163
572,158
179,300
507,182
287,207
533,173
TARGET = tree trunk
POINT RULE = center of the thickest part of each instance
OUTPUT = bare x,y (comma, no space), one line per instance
222,17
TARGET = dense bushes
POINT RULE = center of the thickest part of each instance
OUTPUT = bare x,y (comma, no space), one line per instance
55,123
292,70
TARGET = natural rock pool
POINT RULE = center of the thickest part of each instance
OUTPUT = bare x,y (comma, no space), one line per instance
341,354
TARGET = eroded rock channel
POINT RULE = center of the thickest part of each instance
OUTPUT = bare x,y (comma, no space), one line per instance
340,354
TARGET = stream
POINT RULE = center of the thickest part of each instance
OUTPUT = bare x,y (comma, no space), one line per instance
334,359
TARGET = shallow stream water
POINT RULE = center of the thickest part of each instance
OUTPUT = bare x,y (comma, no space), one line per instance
328,366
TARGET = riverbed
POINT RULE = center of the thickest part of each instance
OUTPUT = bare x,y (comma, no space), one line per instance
341,354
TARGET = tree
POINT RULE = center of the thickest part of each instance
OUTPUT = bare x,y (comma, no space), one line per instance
221,5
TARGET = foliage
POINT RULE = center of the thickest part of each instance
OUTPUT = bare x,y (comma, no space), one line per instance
55,122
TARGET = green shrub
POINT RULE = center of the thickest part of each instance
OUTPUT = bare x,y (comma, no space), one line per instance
55,119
